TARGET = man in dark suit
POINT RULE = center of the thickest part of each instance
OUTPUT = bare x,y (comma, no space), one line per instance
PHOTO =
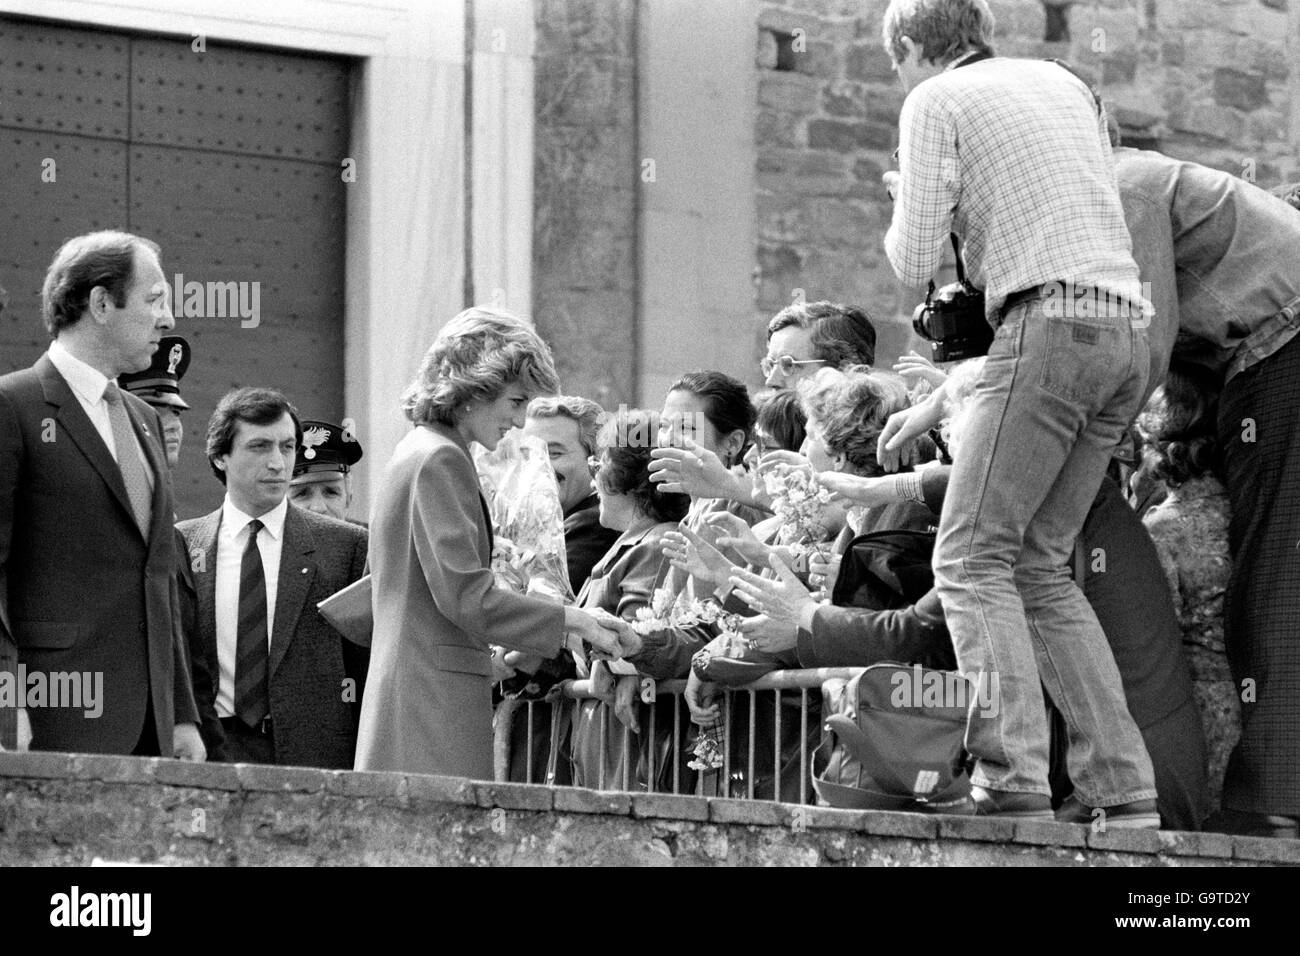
86,546
289,686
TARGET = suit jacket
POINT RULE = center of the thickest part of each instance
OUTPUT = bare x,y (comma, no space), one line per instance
436,610
313,720
81,590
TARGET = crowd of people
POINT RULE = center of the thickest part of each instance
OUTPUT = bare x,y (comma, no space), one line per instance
1095,512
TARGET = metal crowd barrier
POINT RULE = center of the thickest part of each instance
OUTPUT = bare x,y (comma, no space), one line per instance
739,706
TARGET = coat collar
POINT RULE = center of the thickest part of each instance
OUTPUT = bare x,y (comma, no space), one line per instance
449,433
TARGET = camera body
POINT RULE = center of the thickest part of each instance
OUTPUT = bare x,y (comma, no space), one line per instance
952,320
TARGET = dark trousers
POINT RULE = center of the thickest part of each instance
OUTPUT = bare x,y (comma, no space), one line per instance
147,745
1259,436
1177,748
243,745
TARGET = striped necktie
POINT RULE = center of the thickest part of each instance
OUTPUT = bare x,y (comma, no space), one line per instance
139,489
251,665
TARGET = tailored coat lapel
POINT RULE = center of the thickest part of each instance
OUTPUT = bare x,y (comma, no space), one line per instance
71,420
297,572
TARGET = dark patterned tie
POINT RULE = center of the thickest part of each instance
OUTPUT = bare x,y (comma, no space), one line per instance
139,489
251,665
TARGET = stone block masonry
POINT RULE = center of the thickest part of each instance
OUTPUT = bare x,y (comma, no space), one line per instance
70,809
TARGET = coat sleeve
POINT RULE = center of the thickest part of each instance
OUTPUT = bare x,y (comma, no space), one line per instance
203,673
859,637
667,654
664,654
11,451
445,518
934,486
186,704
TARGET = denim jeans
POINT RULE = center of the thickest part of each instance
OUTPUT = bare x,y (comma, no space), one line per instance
1055,397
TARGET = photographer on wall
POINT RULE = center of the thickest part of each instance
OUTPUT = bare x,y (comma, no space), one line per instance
1012,157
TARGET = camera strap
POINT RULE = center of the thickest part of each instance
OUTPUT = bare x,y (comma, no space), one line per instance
961,270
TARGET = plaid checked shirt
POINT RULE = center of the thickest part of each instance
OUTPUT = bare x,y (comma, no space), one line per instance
1012,156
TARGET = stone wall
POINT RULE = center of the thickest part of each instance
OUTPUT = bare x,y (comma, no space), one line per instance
826,128
61,809
584,205
1214,81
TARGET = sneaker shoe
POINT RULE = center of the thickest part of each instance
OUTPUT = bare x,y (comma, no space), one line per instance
1019,806
1138,815
1000,803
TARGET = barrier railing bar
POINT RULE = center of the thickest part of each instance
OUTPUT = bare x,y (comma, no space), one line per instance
753,720
776,747
529,771
803,745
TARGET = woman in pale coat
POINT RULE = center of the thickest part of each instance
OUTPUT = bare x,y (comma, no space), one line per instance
428,701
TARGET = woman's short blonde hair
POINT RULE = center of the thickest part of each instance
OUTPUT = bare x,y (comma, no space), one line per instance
850,407
475,356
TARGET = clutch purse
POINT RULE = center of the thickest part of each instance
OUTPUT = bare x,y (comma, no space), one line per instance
349,612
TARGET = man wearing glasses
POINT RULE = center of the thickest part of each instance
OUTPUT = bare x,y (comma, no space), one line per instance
806,336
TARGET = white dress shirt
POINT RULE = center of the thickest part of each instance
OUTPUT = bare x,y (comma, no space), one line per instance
88,384
232,538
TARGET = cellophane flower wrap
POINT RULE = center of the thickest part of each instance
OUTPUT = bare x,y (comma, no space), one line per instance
527,521
801,504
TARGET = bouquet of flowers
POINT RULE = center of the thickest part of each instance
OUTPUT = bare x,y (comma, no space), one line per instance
528,523
669,610
801,504
673,610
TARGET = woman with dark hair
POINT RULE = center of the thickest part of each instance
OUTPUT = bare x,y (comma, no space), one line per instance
1190,529
706,429
623,581
706,415
436,606
779,423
